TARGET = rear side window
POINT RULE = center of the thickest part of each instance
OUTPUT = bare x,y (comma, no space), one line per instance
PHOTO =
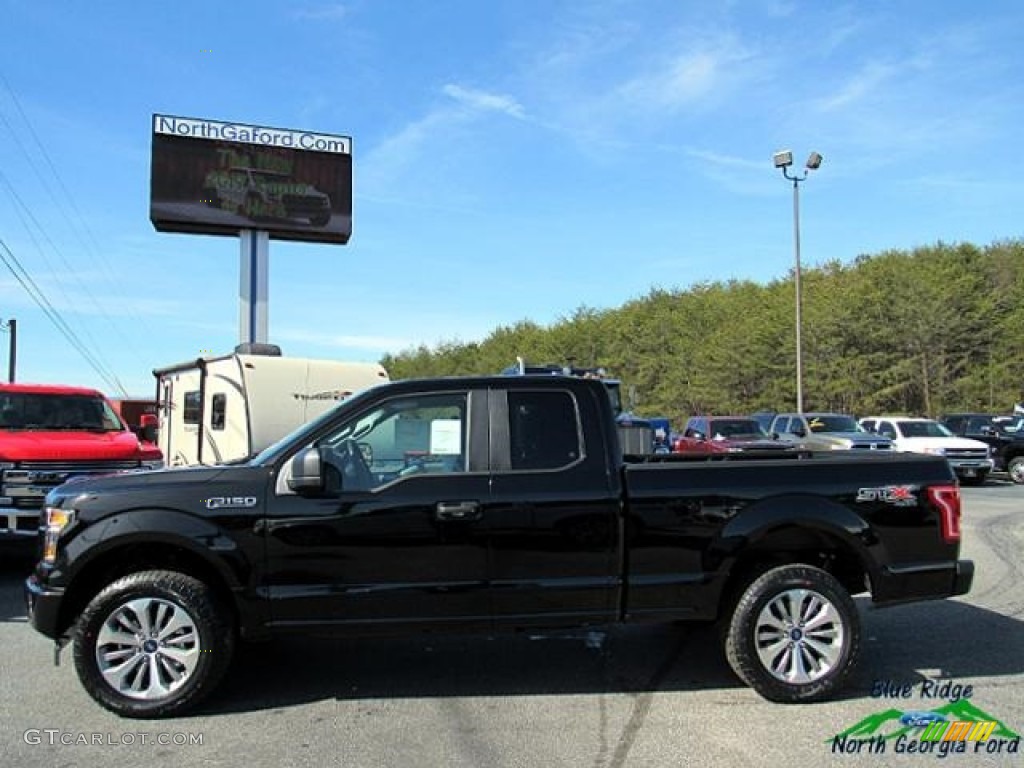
218,411
781,425
544,430
192,403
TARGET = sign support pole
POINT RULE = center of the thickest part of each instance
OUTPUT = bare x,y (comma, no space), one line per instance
254,271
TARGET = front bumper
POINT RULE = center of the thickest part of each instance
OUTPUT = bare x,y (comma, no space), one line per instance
971,467
43,606
923,581
19,524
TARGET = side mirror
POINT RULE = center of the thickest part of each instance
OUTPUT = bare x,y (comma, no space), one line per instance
306,472
700,437
147,427
988,430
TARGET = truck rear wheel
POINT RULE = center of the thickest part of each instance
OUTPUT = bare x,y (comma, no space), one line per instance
152,644
794,635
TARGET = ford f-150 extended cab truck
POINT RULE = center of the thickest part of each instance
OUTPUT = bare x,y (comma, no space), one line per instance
492,503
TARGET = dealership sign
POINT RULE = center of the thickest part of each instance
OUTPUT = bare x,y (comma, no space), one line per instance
215,177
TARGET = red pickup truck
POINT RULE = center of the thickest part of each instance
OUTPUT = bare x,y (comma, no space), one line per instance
725,434
49,433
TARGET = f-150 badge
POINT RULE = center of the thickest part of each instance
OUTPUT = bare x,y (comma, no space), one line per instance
897,495
226,502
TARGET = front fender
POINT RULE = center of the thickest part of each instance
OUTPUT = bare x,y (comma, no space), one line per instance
198,536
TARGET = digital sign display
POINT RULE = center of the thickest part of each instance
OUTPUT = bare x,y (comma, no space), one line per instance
216,178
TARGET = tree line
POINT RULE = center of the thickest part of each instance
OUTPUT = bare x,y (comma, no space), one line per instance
922,332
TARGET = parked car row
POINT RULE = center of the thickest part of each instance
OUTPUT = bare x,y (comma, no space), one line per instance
974,444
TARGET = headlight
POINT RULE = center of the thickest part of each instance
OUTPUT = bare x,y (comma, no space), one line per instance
934,451
57,521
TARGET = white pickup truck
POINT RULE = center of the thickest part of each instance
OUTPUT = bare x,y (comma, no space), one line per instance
970,459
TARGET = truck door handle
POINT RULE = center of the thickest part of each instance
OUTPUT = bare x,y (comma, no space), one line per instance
457,510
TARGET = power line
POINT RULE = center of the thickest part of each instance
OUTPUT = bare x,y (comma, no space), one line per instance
88,243
20,206
34,291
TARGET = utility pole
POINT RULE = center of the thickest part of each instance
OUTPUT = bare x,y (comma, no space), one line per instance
12,354
12,359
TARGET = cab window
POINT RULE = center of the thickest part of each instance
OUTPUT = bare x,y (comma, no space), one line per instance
544,430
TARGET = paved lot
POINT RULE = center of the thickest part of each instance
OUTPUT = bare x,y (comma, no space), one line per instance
658,696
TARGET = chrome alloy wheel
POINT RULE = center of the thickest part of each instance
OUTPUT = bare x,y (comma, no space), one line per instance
147,648
799,636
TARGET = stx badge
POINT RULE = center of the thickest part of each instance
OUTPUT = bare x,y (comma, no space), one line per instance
897,495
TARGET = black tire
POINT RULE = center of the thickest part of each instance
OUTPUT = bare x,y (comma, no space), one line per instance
796,667
1015,468
156,675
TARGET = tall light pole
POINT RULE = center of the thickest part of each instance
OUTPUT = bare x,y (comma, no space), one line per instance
784,160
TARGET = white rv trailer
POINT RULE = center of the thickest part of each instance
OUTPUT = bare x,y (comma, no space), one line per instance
218,409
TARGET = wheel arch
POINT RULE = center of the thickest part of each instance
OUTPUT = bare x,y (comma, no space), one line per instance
172,541
798,529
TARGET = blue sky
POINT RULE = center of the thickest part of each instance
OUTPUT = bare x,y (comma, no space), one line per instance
512,160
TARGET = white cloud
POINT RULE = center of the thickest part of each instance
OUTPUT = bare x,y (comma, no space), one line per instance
726,161
484,101
332,12
682,81
347,341
864,84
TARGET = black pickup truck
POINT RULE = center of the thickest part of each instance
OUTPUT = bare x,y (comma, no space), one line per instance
1007,446
497,503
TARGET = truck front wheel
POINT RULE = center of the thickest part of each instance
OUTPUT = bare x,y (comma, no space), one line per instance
794,635
152,644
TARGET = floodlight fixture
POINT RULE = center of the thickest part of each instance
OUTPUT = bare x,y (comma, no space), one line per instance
783,159
814,161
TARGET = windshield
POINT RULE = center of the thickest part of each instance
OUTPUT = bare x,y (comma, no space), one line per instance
923,429
43,411
1008,423
721,429
833,423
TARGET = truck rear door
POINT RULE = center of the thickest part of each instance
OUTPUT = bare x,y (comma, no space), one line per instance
553,514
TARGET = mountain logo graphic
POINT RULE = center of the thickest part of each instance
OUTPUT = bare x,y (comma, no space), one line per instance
890,724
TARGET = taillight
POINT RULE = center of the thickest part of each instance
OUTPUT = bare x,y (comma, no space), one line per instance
946,499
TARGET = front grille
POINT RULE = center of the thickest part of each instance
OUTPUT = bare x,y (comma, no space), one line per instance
27,485
81,466
872,447
967,453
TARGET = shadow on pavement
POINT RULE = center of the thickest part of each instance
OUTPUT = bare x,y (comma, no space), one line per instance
949,639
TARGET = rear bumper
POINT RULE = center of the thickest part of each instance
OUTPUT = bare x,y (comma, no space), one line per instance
923,581
43,607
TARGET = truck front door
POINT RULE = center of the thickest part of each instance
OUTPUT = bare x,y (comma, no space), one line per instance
396,536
